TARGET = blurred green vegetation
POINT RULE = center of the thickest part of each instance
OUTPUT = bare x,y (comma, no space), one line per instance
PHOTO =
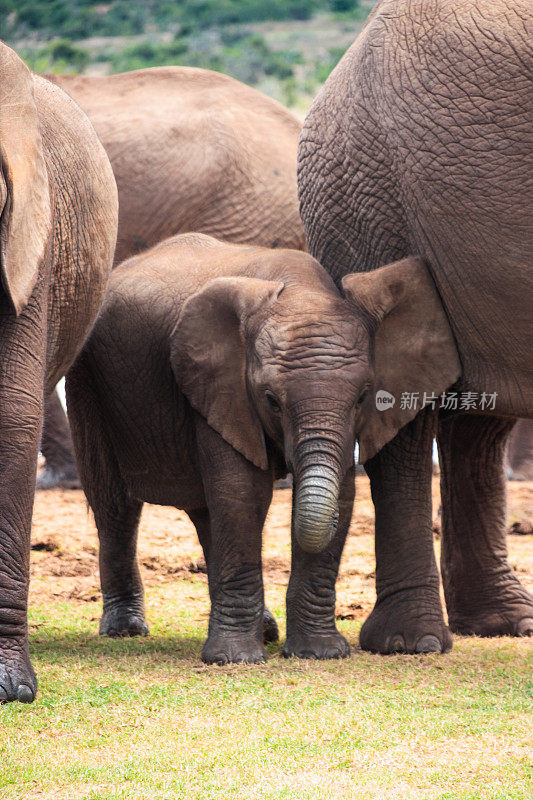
83,18
223,35
60,55
245,57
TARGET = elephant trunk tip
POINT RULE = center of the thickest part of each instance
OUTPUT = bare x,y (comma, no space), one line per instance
316,511
313,540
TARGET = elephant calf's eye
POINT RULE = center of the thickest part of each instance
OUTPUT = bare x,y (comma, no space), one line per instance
362,397
273,402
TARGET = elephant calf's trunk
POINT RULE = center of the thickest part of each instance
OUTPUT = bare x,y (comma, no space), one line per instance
316,508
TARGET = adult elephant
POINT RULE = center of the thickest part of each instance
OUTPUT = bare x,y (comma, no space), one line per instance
192,150
58,223
418,144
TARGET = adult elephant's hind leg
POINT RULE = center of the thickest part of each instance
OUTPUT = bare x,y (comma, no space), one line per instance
407,616
483,594
56,446
311,629
520,451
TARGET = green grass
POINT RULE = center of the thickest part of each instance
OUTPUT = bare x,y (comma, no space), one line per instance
145,719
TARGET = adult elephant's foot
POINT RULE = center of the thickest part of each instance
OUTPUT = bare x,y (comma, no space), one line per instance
406,623
505,611
58,477
270,627
122,618
221,648
17,678
316,646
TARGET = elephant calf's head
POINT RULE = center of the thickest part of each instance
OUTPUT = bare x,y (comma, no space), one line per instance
297,365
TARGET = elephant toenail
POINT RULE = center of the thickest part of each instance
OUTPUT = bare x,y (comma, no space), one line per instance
428,644
525,627
397,645
3,695
25,694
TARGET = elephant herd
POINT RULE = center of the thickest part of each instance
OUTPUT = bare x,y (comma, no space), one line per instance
247,305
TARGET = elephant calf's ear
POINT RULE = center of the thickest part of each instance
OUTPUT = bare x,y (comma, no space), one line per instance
208,356
414,350
24,194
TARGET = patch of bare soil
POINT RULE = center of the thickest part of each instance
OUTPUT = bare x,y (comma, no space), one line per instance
65,546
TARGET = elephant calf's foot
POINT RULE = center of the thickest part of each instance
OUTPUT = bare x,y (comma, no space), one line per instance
506,612
319,646
406,623
64,477
122,619
223,649
270,627
17,678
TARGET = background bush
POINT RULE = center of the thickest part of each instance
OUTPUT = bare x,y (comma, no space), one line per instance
224,35
82,18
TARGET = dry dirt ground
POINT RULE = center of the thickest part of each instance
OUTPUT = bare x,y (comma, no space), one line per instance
65,565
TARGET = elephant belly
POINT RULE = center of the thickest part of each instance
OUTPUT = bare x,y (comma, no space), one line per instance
396,160
457,133
157,467
181,491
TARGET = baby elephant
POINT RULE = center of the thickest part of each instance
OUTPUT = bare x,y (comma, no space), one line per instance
213,369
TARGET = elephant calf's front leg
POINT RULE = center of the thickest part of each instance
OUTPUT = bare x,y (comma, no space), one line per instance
311,629
407,616
238,496
200,520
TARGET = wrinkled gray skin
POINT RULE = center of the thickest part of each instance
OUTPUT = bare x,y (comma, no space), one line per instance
520,451
418,144
58,223
211,370
206,154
